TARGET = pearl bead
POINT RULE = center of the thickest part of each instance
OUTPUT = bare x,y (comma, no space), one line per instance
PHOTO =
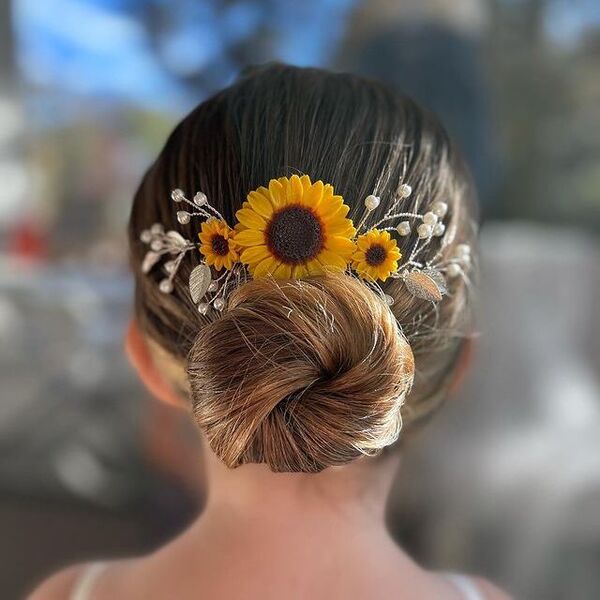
465,260
177,195
452,270
157,228
463,250
213,286
430,218
183,217
203,308
372,202
219,304
424,230
166,286
170,266
439,229
389,300
200,199
403,228
146,236
156,245
439,208
404,190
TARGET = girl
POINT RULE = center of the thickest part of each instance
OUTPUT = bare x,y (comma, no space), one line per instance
308,307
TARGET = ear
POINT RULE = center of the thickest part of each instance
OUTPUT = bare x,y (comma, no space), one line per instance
464,362
140,357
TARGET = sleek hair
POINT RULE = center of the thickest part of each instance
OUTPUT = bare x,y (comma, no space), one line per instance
302,375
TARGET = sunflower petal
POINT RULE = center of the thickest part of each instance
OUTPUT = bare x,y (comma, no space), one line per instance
314,267
331,260
306,183
260,204
342,227
265,267
313,195
254,254
249,237
276,192
296,191
339,213
251,219
283,271
340,244
299,272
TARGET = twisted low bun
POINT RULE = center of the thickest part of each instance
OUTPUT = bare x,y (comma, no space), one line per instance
300,375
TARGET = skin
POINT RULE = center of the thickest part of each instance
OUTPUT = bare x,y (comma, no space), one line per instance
269,535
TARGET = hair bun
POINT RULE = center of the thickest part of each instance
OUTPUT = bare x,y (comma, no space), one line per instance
300,374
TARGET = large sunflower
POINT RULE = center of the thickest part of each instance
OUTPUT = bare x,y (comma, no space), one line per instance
376,255
294,228
217,245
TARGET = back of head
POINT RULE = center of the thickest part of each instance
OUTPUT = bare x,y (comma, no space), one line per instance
310,373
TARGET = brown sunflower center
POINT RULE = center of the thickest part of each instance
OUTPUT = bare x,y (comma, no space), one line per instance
375,255
295,235
219,245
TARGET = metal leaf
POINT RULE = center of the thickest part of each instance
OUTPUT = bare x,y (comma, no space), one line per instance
423,286
439,279
176,239
200,279
149,261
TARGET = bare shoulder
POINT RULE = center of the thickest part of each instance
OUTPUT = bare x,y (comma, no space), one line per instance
489,590
57,586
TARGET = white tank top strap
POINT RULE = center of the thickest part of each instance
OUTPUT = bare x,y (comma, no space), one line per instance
84,584
465,585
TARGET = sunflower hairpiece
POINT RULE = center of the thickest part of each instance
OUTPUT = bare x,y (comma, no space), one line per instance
295,228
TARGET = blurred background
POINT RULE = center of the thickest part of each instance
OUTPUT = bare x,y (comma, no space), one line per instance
506,481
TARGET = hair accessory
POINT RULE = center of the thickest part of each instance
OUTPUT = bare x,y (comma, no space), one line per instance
296,229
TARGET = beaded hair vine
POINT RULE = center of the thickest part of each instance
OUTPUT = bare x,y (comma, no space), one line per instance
297,229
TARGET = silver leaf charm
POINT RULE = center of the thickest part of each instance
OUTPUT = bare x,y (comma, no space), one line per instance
423,286
200,279
149,261
176,239
439,279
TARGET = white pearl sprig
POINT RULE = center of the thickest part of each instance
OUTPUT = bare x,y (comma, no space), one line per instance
372,202
404,191
424,230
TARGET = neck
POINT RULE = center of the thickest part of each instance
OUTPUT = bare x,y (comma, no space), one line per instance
353,495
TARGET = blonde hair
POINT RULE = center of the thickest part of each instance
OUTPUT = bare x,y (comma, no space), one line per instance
300,375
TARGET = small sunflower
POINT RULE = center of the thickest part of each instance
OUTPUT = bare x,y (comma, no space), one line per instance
376,255
217,245
293,229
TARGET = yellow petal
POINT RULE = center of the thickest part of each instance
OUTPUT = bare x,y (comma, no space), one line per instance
251,219
285,187
299,272
341,211
313,195
254,254
339,244
260,204
296,191
265,267
331,260
283,271
306,183
363,242
329,207
249,237
343,227
314,267
276,192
